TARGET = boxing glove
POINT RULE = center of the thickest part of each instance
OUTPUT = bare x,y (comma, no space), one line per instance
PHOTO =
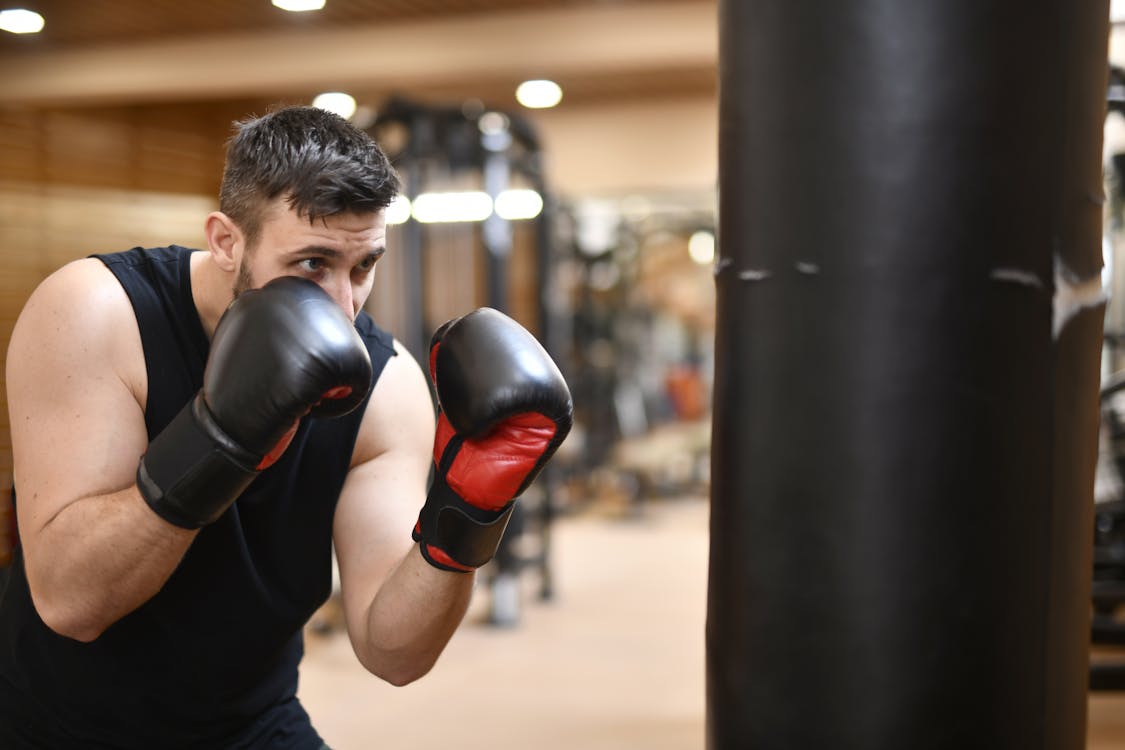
278,353
503,409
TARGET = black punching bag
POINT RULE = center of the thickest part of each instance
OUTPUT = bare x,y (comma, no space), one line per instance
907,353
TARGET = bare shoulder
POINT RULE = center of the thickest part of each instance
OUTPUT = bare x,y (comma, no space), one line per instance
75,381
400,412
79,314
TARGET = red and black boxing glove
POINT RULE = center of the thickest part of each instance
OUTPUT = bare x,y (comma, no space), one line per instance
504,408
278,353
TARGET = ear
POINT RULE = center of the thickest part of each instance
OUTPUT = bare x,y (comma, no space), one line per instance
224,239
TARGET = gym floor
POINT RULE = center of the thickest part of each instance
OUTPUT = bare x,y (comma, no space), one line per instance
614,662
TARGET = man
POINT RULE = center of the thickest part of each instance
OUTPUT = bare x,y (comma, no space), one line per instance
192,431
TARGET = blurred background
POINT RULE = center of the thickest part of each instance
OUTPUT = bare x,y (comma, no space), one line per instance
560,163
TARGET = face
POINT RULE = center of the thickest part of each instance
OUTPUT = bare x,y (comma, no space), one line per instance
339,253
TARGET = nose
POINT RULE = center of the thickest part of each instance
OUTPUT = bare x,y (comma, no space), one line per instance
341,292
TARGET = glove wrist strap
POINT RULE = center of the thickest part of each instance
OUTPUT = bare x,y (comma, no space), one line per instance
455,535
193,471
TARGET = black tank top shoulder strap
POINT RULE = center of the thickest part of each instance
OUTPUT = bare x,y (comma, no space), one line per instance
380,344
158,283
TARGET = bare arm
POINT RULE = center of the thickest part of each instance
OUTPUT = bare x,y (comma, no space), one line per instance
76,384
400,610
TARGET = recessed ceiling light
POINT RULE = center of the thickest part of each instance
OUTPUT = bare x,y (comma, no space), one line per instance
20,21
538,94
701,247
336,101
298,6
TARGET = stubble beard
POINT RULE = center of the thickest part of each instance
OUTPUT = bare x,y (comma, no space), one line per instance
242,281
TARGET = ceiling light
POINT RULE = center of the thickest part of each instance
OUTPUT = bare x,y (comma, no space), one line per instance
471,205
20,21
701,247
518,204
399,210
538,94
298,6
336,101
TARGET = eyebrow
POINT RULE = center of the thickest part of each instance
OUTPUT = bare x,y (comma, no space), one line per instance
330,252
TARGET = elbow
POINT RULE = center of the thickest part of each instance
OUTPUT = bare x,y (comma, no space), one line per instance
66,620
80,633
75,628
399,671
402,677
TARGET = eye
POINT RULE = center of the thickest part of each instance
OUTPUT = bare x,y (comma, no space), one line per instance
311,265
367,263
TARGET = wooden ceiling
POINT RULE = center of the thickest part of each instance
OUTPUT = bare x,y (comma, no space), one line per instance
598,52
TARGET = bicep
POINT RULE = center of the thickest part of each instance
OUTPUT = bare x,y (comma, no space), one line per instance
386,487
77,427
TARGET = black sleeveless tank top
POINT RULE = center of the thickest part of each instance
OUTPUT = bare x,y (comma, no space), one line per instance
211,660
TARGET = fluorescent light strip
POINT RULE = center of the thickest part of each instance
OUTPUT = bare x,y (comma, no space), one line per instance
436,208
518,204
441,208
466,206
399,210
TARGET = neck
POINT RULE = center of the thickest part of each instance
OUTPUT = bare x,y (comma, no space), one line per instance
211,290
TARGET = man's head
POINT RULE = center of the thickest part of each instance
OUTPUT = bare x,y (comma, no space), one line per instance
317,160
303,194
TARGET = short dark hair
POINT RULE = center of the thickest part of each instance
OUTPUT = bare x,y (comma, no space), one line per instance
323,163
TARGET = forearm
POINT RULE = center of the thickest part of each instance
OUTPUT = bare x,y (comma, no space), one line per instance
412,618
98,559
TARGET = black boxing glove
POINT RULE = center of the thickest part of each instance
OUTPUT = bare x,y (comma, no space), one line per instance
503,410
278,353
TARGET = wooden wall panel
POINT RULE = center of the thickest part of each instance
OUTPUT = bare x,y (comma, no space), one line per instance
171,160
21,156
83,150
78,181
163,148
